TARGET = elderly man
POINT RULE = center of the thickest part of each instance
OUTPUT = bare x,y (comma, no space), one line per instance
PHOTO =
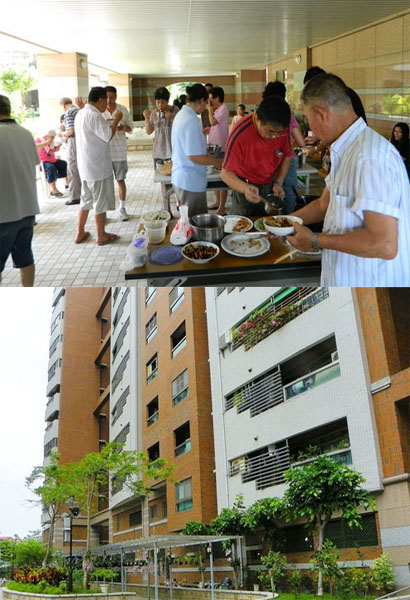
18,194
258,151
93,135
118,144
70,112
366,202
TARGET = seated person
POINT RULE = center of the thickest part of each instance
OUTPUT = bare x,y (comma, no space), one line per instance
400,140
54,167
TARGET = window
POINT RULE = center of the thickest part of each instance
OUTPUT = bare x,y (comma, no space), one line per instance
153,452
120,308
135,518
260,394
344,536
54,345
178,340
180,387
183,493
53,368
122,436
164,509
118,517
119,407
58,318
120,338
182,439
176,295
152,411
149,294
120,371
296,539
49,446
153,510
152,368
151,328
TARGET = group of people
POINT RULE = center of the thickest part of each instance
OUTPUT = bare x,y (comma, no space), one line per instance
365,205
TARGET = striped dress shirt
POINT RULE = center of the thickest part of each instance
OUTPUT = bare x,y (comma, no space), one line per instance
367,174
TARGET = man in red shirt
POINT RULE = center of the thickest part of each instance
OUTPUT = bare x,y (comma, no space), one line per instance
258,157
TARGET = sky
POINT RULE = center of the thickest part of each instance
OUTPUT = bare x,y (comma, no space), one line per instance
25,319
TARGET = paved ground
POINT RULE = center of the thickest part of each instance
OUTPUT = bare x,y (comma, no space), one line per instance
60,262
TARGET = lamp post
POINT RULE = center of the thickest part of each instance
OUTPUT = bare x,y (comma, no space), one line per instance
73,511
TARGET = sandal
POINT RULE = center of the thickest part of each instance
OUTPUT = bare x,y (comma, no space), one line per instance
56,194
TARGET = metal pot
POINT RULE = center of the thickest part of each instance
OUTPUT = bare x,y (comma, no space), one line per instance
273,205
207,227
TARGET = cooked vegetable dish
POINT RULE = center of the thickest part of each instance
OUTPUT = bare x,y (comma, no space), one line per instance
199,252
278,222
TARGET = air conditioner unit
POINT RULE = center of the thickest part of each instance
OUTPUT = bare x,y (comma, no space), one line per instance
224,341
334,356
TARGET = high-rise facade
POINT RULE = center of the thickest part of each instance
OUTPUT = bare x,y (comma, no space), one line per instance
297,372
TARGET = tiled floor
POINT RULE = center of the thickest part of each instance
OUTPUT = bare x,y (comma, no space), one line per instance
60,262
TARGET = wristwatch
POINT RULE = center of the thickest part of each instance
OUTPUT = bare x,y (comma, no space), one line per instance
314,242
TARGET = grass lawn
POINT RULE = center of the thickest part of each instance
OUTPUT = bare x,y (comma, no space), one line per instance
324,597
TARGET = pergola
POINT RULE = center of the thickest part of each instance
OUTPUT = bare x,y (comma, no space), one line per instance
158,542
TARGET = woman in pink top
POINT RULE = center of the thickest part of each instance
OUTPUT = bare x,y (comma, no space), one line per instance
54,167
219,119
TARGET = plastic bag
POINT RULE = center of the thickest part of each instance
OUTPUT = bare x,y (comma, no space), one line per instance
137,251
182,231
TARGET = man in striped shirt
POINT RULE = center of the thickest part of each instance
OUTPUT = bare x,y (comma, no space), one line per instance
366,202
70,112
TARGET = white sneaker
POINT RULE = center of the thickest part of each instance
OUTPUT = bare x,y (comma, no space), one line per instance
123,214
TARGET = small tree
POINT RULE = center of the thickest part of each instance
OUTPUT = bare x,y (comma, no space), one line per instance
29,553
232,521
382,573
12,81
264,514
325,561
276,564
295,582
50,484
319,489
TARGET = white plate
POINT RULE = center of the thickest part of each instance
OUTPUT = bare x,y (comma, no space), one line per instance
258,224
201,261
232,220
309,253
282,231
244,246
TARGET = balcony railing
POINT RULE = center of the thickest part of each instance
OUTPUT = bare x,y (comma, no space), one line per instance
343,457
179,397
152,375
258,396
267,469
182,448
151,334
264,322
178,347
312,380
175,302
153,418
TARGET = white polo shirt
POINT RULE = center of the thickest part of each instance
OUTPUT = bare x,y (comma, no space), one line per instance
187,139
118,144
18,160
367,173
92,137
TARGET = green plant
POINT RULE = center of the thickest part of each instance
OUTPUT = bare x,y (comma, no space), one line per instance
103,573
344,587
261,323
307,583
50,575
325,561
361,580
295,582
382,573
276,564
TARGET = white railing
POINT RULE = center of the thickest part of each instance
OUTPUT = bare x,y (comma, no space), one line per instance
178,347
258,396
397,594
312,380
267,469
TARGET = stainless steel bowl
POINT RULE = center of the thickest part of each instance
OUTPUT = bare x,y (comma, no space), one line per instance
207,227
273,205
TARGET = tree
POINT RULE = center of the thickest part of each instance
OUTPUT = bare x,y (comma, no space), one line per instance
319,489
325,561
264,514
29,553
196,528
12,81
276,564
50,484
232,521
92,473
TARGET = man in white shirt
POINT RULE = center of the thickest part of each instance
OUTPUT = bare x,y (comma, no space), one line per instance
118,144
18,194
366,202
93,135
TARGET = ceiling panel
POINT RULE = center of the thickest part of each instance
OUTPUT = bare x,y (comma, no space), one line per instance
166,37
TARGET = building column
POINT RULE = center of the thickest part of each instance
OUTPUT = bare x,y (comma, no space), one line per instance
123,83
59,75
249,85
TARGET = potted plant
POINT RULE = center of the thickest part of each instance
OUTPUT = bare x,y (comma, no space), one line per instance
103,573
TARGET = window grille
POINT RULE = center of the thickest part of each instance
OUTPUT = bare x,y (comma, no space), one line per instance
344,536
121,307
120,371
180,387
120,339
119,407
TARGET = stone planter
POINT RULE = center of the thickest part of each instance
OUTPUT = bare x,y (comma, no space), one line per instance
104,588
256,587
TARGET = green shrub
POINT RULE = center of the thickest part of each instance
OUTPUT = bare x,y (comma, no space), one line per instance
361,580
382,573
307,583
343,586
51,575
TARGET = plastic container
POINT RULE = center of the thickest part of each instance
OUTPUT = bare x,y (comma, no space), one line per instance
137,251
155,231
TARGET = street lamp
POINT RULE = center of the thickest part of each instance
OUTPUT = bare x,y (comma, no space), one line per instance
73,511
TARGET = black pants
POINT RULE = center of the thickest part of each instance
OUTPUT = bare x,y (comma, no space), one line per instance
55,170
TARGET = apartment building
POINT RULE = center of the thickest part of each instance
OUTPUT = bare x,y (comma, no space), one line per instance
78,392
131,366
300,371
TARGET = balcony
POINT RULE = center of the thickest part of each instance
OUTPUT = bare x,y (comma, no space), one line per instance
51,432
259,395
176,296
57,294
178,347
266,469
312,380
54,377
53,407
266,320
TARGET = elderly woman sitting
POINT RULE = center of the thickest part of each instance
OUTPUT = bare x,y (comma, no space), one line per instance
54,167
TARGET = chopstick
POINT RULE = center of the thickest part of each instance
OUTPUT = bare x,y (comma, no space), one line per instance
290,253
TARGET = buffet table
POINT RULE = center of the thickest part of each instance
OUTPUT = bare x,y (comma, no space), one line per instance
299,270
214,183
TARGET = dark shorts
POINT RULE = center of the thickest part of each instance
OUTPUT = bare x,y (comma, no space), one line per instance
55,170
15,239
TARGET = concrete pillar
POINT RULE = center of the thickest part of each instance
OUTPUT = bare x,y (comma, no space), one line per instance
123,83
249,85
59,75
